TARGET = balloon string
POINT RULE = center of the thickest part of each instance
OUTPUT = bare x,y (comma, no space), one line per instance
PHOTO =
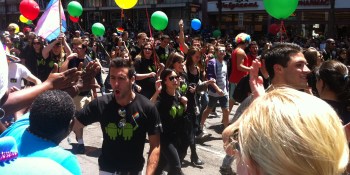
155,60
282,31
121,17
149,24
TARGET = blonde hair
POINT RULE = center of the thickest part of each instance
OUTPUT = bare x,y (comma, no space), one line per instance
287,132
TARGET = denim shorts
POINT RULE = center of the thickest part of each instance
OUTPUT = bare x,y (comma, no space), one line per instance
223,101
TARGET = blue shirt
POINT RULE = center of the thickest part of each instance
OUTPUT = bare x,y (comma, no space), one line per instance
30,145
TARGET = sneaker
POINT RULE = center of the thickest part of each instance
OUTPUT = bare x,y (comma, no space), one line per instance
214,114
204,134
226,171
78,149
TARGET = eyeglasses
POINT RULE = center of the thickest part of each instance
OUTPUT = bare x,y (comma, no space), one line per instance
147,49
78,48
222,51
171,78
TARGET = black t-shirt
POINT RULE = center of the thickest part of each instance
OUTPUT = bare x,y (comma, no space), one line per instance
144,66
45,66
341,110
171,113
135,50
163,54
122,147
75,63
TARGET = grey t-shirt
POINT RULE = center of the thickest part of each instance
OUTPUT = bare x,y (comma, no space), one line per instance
221,78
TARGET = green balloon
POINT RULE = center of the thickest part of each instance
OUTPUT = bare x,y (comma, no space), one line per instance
98,29
280,9
29,22
159,20
216,33
75,9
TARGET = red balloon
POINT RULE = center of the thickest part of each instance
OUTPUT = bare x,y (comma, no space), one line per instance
274,29
29,9
74,19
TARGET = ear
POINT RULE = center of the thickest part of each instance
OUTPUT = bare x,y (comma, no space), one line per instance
278,69
132,79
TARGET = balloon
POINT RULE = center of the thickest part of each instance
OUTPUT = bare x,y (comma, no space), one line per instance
280,9
126,4
75,9
98,29
274,29
159,20
23,19
29,22
216,33
74,19
15,26
196,24
29,9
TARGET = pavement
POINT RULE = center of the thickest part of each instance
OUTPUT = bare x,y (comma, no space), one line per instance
210,150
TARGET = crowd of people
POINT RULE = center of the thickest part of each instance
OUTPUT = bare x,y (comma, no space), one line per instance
293,100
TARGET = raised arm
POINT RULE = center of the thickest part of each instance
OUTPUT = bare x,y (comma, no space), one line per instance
183,45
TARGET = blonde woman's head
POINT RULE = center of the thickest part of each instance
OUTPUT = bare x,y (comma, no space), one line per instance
287,132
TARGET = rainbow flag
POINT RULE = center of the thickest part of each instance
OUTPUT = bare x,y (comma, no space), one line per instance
120,30
48,25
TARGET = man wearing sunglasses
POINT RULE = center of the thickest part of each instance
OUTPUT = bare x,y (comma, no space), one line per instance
83,98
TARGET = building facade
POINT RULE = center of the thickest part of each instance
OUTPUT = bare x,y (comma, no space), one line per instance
330,18
109,14
323,17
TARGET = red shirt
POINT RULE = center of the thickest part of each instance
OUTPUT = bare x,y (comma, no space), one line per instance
236,74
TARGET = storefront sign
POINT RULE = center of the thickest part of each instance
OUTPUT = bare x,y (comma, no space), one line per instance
313,2
232,6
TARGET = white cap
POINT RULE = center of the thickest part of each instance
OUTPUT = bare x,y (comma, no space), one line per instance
3,71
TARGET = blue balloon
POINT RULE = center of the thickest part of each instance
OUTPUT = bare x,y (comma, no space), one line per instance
196,24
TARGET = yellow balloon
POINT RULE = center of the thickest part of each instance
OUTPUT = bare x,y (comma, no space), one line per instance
23,19
16,27
126,4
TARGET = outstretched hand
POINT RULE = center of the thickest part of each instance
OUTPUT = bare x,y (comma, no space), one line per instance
87,81
64,79
256,82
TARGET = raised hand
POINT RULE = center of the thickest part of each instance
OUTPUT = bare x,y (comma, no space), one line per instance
158,86
62,80
256,82
87,80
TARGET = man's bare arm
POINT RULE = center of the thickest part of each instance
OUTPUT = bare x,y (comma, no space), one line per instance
154,152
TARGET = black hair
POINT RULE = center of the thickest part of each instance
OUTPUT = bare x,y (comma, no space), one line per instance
121,63
335,76
51,114
165,73
280,54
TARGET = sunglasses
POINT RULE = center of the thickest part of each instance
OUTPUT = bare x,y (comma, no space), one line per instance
147,49
171,78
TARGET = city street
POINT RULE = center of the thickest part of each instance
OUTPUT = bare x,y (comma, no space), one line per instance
210,151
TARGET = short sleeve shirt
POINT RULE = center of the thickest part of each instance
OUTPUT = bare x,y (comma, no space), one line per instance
124,130
16,73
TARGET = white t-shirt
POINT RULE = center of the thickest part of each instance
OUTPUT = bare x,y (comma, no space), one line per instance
16,73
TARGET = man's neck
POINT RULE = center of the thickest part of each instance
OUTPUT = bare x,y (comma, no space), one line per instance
128,99
220,59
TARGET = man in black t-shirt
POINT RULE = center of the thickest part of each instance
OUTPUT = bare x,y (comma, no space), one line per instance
125,118
163,50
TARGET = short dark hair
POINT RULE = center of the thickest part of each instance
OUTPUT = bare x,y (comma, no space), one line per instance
51,113
122,63
164,37
280,54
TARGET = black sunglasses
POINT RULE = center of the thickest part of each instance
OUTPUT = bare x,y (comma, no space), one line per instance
171,78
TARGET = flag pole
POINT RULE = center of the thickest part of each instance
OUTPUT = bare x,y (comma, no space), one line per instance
59,7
